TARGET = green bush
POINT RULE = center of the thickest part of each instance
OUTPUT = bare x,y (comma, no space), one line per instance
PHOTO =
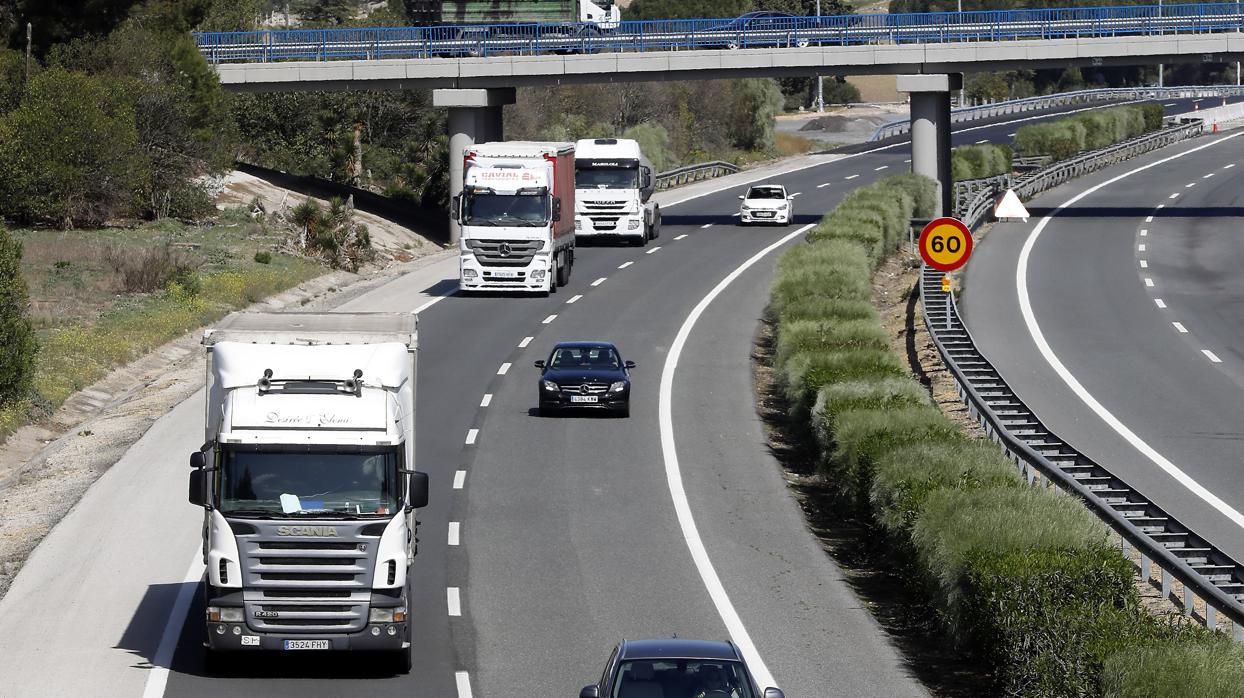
845,280
892,205
17,361
813,335
803,375
1152,113
1089,130
862,436
864,228
976,161
263,257
922,190
879,393
1174,670
816,307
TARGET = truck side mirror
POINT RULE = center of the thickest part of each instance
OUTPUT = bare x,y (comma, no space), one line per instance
198,487
198,461
454,204
557,208
645,177
418,490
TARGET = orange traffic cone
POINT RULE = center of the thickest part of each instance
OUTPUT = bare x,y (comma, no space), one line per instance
1215,129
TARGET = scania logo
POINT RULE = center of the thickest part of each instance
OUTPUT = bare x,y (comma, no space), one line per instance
505,249
583,389
319,531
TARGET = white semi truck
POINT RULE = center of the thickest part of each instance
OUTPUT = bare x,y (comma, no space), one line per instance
613,191
514,234
307,482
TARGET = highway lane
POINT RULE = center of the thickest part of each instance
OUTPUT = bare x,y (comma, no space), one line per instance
1143,306
121,566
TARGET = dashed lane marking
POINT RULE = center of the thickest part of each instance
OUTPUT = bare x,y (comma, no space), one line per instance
1159,302
1148,282
486,401
574,299
679,237
505,368
1144,264
454,532
548,319
526,340
1189,185
1180,327
1211,356
463,680
883,167
471,435
459,479
1173,196
851,176
822,186
625,265
599,281
653,249
706,226
453,597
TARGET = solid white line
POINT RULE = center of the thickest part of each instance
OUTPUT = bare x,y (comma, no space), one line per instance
852,176
1180,327
486,401
1144,264
673,474
883,167
1159,302
1173,196
599,281
157,680
463,680
574,299
459,479
679,237
1149,282
1227,167
1210,355
548,319
505,368
1141,247
427,305
1025,303
822,186
1211,174
706,226
471,434
454,601
526,340
454,532
653,249
625,265
1189,185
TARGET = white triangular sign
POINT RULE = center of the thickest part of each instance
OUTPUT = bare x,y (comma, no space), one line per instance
1009,206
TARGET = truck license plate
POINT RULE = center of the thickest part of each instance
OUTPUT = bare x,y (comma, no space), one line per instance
506,274
584,398
308,645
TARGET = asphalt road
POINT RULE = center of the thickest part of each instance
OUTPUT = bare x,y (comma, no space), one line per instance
568,540
1144,307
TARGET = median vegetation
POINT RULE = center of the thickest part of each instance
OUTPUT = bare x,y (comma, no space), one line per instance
1025,580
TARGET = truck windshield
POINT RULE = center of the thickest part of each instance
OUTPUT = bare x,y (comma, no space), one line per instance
506,209
606,178
282,483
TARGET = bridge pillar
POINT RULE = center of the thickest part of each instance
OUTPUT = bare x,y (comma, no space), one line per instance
930,131
474,117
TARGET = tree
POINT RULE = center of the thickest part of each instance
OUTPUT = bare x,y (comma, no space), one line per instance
331,12
687,9
17,336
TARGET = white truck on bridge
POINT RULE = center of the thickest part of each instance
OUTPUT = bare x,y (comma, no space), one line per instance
307,483
515,236
613,191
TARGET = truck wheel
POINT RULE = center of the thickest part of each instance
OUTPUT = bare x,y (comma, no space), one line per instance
656,224
404,661
563,272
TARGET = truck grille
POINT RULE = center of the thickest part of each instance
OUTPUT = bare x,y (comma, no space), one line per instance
504,253
604,214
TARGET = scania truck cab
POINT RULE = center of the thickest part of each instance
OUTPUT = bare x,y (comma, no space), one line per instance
307,482
613,190
516,216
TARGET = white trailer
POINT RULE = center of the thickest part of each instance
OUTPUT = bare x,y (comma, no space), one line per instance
613,191
307,481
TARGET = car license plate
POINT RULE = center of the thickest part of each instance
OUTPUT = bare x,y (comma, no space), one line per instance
584,398
763,214
308,644
506,274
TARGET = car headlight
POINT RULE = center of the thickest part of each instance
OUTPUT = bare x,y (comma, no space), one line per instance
745,207
550,385
220,614
783,207
617,387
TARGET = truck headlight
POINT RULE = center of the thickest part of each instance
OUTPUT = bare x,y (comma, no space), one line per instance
633,225
537,274
469,274
224,614
387,615
550,385
617,387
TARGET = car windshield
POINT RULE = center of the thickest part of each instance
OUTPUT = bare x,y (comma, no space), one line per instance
606,178
283,483
682,678
766,193
584,357
487,208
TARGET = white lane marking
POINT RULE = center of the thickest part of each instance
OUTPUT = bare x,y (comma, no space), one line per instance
1169,105
679,237
1010,135
883,167
1148,219
1141,247
653,249
486,401
1159,302
157,680
907,160
795,194
471,434
1144,232
1211,174
1148,282
822,186
1159,206
673,474
1180,327
505,368
574,299
1144,264
1227,167
459,479
1173,196
852,176
463,680
1189,185
548,319
526,340
1021,282
454,532
427,305
599,281
625,265
453,599
706,226
1210,355
980,142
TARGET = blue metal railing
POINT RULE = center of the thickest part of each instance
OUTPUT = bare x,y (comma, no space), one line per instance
676,35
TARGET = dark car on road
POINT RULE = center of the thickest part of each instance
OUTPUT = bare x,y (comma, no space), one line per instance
677,668
756,29
585,374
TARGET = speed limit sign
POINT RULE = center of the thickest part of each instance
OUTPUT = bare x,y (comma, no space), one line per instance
945,244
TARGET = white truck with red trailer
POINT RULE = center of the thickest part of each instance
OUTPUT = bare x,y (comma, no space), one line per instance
516,214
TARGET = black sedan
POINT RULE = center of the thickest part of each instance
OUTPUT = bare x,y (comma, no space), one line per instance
677,668
756,29
585,374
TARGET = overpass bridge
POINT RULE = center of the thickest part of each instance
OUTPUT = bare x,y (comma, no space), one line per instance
473,70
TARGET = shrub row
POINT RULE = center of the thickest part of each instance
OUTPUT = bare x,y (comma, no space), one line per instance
1025,579
1096,128
976,161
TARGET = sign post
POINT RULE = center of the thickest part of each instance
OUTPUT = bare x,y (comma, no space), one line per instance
945,244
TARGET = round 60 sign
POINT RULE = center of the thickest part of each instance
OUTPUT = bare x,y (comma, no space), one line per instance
945,244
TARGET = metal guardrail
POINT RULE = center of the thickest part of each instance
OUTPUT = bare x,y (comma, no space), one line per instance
265,46
693,173
1029,104
1208,575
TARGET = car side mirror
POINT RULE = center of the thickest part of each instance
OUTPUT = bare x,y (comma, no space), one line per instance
774,693
630,364
198,460
454,204
557,208
198,487
592,691
418,490
538,364
740,197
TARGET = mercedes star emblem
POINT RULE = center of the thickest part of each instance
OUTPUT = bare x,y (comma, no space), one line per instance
505,249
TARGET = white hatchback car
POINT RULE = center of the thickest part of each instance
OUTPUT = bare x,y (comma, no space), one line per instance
766,203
